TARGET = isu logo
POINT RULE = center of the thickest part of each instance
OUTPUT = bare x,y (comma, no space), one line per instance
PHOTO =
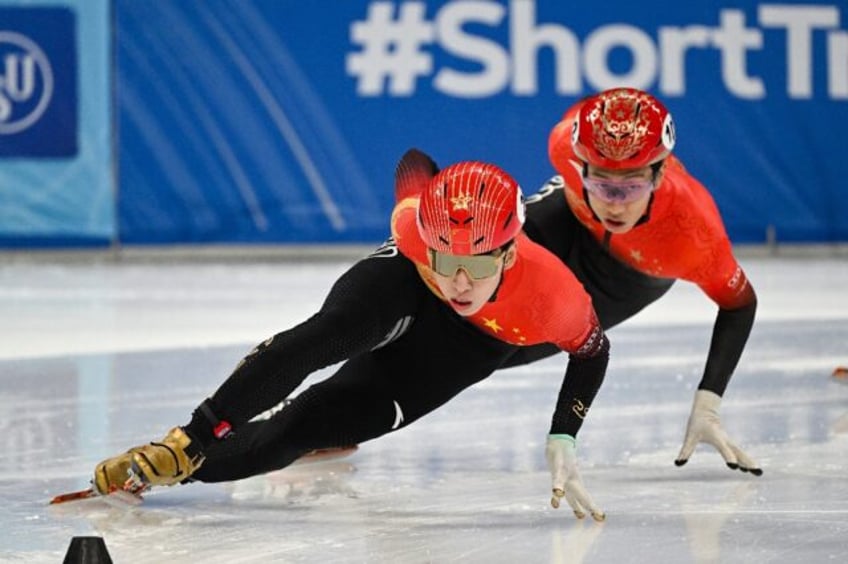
26,82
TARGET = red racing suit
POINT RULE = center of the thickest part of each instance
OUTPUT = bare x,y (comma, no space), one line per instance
680,236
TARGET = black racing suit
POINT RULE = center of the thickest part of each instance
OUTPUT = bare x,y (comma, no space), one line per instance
406,354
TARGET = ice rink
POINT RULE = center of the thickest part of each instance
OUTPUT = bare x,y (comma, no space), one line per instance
100,354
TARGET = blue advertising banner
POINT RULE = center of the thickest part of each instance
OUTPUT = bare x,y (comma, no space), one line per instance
38,90
282,120
56,182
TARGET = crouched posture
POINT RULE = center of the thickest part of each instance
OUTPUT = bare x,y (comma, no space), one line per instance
436,309
628,219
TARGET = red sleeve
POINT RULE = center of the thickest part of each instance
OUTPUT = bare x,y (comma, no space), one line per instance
730,292
714,267
575,324
564,308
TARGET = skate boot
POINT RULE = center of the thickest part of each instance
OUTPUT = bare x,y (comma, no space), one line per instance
167,462
111,474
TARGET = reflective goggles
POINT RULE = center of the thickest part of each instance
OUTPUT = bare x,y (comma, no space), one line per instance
618,190
477,267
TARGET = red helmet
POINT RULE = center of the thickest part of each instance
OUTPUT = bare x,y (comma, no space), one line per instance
470,208
622,128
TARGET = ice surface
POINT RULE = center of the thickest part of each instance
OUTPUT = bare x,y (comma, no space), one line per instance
97,356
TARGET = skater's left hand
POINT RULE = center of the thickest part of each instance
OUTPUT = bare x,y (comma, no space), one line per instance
705,427
562,462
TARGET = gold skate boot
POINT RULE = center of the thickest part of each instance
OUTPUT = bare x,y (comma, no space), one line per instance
167,462
112,473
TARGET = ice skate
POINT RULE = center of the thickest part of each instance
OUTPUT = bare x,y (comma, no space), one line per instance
165,463
111,474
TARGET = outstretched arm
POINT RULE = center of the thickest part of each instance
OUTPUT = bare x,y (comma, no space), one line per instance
583,379
730,335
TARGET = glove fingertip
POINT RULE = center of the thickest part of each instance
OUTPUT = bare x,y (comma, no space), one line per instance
734,466
756,471
681,461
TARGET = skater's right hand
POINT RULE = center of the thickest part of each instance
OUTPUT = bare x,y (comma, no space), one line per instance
566,482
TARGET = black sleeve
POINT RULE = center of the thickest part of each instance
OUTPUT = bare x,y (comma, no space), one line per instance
583,379
730,334
365,307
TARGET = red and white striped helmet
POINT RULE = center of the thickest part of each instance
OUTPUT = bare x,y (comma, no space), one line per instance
470,208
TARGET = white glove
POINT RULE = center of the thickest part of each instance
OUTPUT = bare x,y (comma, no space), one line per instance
562,462
705,427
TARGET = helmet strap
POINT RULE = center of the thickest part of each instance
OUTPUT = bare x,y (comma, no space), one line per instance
504,249
656,171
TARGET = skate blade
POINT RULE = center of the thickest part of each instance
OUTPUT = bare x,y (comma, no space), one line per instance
73,496
116,497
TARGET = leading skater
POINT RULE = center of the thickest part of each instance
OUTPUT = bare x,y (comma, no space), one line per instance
628,219
421,319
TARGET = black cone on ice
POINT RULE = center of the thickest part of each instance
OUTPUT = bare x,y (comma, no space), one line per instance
87,550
